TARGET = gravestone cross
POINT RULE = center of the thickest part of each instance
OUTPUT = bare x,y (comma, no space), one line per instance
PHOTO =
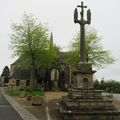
82,23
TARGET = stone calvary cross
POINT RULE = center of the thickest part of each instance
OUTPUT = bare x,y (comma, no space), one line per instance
82,23
83,102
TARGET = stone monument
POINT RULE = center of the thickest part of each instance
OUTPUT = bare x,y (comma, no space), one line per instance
84,74
54,79
83,102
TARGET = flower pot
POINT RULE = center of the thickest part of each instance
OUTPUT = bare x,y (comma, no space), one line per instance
37,100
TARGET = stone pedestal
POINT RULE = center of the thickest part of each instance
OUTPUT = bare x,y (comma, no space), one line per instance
85,103
89,104
83,76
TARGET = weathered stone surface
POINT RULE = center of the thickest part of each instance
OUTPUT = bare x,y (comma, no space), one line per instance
87,105
83,76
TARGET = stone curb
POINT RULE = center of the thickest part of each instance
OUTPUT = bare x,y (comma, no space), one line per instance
26,115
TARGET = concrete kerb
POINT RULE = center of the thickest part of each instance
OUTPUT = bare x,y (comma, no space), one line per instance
47,110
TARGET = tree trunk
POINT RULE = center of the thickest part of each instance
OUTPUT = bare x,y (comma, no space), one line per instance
33,81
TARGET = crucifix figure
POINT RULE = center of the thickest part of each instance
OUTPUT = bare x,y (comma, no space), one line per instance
82,23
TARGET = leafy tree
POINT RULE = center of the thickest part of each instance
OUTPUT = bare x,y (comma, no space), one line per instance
95,53
30,42
5,74
110,86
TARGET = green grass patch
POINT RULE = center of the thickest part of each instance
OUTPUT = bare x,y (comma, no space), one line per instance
17,92
13,92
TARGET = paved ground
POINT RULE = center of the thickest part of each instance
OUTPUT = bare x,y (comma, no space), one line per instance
6,110
116,97
47,111
116,100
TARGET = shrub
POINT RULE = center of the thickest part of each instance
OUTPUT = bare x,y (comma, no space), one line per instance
36,93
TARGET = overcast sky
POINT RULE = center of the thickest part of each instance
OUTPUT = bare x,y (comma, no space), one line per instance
58,14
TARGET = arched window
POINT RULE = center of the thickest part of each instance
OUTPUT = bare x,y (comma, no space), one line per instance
85,80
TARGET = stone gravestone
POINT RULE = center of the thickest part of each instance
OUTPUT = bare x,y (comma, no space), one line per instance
83,102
